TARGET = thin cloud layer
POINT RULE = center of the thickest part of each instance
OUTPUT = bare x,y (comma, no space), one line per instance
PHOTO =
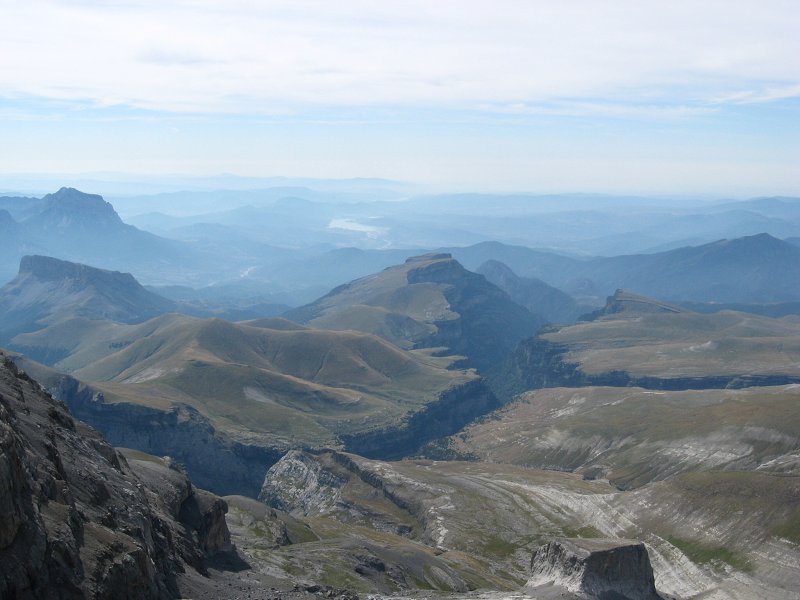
288,57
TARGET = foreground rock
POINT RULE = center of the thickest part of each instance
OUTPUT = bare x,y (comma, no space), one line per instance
606,569
80,521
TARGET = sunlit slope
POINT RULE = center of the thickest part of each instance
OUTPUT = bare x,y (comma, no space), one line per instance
291,381
428,301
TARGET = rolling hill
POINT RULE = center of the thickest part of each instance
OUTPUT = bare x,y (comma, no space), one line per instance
270,383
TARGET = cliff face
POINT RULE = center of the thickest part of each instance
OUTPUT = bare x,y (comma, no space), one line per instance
539,363
602,569
215,463
79,521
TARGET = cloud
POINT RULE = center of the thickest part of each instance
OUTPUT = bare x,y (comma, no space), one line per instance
768,94
618,56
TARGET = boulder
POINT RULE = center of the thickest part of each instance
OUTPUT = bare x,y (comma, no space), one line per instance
602,569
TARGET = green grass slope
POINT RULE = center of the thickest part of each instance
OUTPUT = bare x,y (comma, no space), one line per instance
303,385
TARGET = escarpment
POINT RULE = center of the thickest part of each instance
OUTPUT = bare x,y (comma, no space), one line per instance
637,341
215,462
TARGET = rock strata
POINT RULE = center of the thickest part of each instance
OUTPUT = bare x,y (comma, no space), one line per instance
602,569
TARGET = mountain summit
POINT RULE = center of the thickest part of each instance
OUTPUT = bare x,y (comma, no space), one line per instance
69,208
430,301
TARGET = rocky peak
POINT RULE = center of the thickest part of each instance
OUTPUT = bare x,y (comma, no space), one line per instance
69,207
435,268
602,569
48,290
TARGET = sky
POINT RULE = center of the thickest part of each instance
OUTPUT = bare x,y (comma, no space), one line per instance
678,97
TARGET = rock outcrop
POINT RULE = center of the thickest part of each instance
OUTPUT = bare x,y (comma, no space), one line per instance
602,569
630,304
79,520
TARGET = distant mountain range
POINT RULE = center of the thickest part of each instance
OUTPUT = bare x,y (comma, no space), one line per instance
84,228
754,269
289,249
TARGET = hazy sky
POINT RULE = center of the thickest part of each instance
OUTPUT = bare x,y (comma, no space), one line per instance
556,95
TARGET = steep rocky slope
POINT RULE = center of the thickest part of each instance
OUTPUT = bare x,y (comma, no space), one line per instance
430,301
79,520
595,568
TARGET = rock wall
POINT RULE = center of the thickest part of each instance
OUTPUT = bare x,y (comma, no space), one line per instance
538,363
214,462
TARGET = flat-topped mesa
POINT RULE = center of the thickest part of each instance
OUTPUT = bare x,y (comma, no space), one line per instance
429,257
603,569
47,268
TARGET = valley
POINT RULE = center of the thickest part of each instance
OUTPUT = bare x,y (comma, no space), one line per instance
425,429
